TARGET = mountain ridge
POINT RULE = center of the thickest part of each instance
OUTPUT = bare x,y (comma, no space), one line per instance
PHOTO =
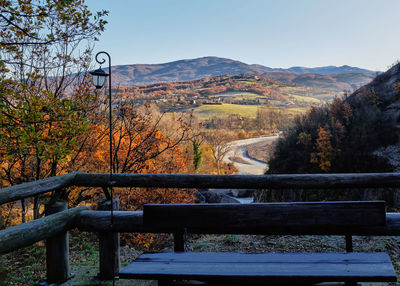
191,69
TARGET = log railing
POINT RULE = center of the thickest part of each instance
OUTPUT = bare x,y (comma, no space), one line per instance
295,181
56,225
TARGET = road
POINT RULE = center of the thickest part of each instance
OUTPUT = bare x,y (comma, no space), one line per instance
245,164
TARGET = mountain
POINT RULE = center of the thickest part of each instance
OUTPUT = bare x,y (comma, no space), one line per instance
334,78
330,70
386,87
334,82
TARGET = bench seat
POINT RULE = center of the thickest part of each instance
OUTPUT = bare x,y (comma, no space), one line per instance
264,267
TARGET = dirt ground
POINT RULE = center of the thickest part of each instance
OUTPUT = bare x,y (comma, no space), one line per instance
261,150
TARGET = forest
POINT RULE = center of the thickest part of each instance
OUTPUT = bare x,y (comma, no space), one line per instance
337,138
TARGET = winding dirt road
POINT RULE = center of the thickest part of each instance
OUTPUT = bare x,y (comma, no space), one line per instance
239,157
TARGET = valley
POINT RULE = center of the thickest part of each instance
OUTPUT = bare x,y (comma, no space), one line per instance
226,95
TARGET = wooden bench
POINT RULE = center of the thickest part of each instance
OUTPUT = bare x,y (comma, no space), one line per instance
331,218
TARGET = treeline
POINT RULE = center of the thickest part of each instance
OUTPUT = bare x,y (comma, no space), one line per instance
267,121
336,138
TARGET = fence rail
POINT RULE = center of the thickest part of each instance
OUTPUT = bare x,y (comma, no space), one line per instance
292,181
35,188
295,181
33,231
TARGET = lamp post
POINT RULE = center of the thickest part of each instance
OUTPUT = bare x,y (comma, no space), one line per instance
107,241
99,78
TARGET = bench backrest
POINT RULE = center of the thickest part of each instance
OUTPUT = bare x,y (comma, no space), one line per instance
267,218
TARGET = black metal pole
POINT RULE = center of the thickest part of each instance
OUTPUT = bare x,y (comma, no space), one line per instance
102,61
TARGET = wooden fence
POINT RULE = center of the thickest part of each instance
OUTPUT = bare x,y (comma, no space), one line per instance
59,220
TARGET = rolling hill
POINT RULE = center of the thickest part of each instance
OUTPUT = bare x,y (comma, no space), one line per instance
386,87
330,77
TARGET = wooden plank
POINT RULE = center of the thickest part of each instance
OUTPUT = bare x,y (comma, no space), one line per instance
258,216
288,267
34,188
287,181
28,233
129,221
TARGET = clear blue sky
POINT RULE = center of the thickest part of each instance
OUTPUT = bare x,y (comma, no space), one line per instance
280,33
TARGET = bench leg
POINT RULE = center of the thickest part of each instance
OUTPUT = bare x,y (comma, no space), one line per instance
349,243
164,282
179,241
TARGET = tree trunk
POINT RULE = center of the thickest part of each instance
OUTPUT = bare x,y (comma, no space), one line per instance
36,207
23,219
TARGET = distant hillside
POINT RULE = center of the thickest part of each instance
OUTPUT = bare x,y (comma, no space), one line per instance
330,70
334,78
334,82
386,88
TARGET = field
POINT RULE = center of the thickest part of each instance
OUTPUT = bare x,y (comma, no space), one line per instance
306,99
250,111
210,110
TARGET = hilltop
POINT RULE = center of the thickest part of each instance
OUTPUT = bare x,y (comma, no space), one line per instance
385,87
329,77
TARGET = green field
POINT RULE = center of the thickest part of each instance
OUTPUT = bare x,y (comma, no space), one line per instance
208,111
238,94
306,99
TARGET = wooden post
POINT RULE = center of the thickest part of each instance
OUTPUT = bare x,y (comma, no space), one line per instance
179,241
109,246
349,243
57,249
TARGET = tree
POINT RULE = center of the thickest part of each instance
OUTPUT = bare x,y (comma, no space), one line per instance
324,150
45,22
43,42
197,154
139,146
43,107
219,142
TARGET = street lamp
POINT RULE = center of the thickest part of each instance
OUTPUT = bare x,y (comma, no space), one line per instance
99,78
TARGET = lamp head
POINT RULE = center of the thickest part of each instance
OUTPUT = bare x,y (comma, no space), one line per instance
99,77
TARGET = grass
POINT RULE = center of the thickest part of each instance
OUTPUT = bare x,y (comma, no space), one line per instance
306,99
24,266
250,111
294,110
207,111
238,94
27,266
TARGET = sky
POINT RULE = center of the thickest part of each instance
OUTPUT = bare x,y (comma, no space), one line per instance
280,33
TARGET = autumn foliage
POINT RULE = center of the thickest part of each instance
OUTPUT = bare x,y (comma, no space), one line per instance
339,137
